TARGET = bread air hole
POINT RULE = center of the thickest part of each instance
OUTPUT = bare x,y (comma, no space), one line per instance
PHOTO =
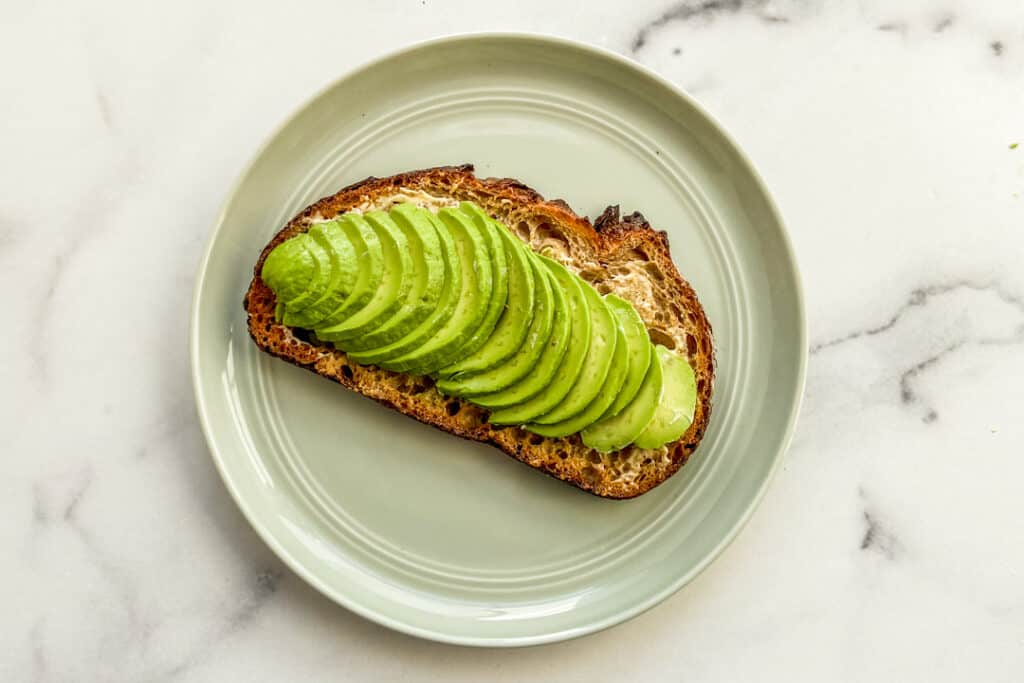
550,237
420,386
661,337
691,345
523,230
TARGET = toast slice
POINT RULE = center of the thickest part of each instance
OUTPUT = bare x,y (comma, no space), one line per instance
618,254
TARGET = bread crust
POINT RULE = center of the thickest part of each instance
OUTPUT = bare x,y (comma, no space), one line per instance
618,254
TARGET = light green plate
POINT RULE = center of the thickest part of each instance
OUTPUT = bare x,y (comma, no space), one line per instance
451,540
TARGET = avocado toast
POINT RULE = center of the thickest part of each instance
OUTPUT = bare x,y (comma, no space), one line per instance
455,348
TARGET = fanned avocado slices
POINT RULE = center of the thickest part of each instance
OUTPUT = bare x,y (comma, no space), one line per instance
549,299
430,269
537,377
596,364
607,393
343,272
638,352
396,281
447,301
473,302
369,260
456,296
559,383
617,432
512,303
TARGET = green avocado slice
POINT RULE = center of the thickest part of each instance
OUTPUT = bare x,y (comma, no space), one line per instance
429,272
555,386
596,408
638,356
490,385
336,244
294,271
473,301
396,280
619,431
675,412
451,289
370,268
514,303
604,333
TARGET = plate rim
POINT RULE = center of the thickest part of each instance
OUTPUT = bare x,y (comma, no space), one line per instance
630,611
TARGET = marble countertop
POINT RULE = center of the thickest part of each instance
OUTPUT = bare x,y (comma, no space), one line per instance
891,544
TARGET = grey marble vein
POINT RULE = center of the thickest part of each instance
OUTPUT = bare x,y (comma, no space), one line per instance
706,9
944,23
103,104
43,310
56,498
907,393
919,297
60,261
39,668
893,27
265,584
877,537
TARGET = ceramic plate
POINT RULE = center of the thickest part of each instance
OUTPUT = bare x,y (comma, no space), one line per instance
452,540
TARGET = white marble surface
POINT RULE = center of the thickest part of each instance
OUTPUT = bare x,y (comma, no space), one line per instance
889,548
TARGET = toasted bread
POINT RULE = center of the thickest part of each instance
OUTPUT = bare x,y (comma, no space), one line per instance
618,254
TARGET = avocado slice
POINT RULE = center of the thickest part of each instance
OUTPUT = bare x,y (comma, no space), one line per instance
474,300
619,431
293,269
396,280
336,244
429,273
604,334
370,266
559,383
679,400
597,407
451,290
489,385
638,355
514,305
